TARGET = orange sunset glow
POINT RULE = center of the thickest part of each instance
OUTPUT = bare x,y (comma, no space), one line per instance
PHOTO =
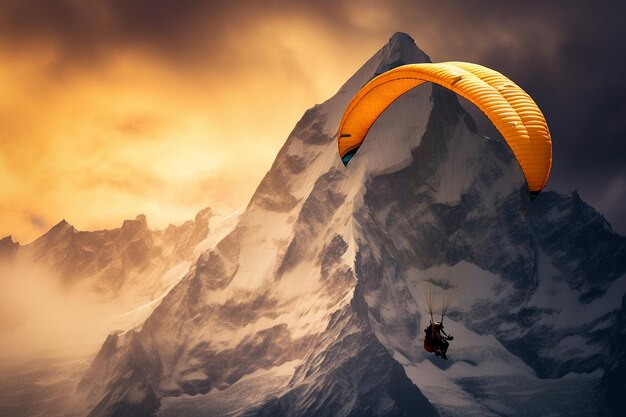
134,132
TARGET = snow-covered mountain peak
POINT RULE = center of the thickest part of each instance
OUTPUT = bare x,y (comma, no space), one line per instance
310,304
400,50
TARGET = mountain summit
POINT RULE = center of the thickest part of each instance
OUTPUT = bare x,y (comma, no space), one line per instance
310,306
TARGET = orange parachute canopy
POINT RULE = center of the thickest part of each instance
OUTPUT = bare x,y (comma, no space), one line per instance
512,111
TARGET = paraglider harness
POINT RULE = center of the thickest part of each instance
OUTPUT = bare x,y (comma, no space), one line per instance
438,345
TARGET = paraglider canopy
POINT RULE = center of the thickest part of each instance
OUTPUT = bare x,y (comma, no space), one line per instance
510,109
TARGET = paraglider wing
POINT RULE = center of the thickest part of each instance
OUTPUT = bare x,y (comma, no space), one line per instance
510,109
537,164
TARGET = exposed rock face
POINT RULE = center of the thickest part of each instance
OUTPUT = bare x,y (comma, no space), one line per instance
348,373
614,380
8,249
588,254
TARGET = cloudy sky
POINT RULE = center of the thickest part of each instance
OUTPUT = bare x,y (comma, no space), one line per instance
112,108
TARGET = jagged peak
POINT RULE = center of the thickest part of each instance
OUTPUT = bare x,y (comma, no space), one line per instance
399,36
140,222
58,232
7,242
62,226
7,239
204,214
399,50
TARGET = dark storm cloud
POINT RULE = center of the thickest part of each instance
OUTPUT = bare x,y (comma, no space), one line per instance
174,29
567,55
89,29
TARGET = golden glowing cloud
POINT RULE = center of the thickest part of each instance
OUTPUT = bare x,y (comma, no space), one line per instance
138,132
